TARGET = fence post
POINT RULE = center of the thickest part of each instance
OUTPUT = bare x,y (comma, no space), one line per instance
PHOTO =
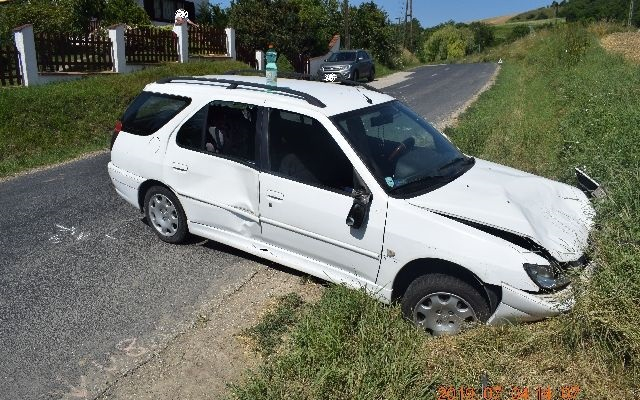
183,42
116,35
260,60
26,46
231,42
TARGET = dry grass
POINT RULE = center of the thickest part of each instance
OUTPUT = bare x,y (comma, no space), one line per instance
498,20
625,43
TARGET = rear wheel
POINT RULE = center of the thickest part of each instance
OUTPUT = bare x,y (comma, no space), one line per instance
165,214
372,74
444,305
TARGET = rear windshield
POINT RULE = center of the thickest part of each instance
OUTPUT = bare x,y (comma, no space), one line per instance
150,111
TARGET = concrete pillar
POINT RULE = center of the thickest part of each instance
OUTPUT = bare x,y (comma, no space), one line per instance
116,34
260,60
183,42
231,42
26,45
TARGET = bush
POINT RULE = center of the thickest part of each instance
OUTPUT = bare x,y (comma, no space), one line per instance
448,43
518,32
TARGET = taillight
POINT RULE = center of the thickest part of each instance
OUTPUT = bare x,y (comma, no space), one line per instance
116,130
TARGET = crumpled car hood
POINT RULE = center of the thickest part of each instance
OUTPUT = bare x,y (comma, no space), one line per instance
556,216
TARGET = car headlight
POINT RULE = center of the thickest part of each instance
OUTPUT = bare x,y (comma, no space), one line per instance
546,277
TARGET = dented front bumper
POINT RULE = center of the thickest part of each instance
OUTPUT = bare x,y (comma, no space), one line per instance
520,306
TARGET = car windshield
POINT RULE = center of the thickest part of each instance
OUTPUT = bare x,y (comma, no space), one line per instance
406,154
342,56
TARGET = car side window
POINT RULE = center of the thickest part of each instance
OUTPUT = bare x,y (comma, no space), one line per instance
191,133
151,111
301,148
226,129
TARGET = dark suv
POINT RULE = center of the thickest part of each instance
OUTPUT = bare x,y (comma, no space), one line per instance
348,64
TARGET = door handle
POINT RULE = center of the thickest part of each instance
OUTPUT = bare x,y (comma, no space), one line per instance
273,195
179,166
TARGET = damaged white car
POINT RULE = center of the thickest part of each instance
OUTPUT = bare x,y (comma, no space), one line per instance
351,186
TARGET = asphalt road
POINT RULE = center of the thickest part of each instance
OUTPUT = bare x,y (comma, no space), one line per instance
436,91
87,292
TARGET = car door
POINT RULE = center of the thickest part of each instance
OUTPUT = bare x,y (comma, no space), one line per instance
306,194
210,164
364,63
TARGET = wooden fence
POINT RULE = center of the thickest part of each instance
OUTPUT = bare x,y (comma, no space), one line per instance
148,45
9,66
246,55
206,40
67,53
300,63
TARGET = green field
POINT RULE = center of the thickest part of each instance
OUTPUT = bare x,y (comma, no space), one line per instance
46,124
560,101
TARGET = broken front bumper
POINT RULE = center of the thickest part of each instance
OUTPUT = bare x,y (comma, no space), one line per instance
519,306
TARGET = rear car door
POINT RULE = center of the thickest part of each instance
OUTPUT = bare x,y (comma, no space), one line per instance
210,164
306,194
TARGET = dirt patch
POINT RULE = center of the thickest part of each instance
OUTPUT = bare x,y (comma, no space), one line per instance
625,43
205,359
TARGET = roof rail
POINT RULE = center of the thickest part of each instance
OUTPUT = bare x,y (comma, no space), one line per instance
306,77
233,84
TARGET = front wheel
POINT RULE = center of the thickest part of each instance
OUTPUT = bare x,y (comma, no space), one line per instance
165,214
356,76
443,305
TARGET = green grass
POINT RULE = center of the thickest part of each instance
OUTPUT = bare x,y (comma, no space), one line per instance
267,334
46,124
549,111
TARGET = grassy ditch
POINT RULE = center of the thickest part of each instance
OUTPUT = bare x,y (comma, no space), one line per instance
560,101
46,124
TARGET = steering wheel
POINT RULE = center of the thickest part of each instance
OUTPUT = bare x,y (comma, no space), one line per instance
402,148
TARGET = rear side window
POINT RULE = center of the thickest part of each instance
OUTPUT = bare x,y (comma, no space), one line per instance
150,111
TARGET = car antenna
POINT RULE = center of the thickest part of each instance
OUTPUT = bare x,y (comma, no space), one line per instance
365,96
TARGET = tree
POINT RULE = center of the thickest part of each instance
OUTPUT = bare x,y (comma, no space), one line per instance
595,10
483,35
449,42
370,29
125,12
212,15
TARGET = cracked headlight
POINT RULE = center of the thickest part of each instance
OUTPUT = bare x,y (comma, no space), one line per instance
546,276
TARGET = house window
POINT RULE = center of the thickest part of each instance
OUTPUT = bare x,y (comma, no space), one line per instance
165,10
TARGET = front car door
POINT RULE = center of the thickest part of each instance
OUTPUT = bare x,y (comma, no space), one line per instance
305,196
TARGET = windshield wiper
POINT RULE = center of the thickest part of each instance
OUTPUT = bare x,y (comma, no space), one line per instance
435,179
455,161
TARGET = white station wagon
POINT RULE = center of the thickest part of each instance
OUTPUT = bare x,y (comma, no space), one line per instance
350,185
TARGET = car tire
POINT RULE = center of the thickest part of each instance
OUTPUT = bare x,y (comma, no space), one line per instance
355,76
443,305
372,75
165,215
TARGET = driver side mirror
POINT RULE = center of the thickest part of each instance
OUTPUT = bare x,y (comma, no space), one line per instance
359,209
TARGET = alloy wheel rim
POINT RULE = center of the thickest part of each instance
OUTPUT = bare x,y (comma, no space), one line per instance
443,313
163,215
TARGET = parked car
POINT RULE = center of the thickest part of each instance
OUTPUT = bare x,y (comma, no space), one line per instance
348,65
361,191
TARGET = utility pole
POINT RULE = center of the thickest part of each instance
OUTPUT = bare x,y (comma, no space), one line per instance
630,12
408,17
345,15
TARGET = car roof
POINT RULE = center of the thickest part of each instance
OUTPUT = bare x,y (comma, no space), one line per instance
336,98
